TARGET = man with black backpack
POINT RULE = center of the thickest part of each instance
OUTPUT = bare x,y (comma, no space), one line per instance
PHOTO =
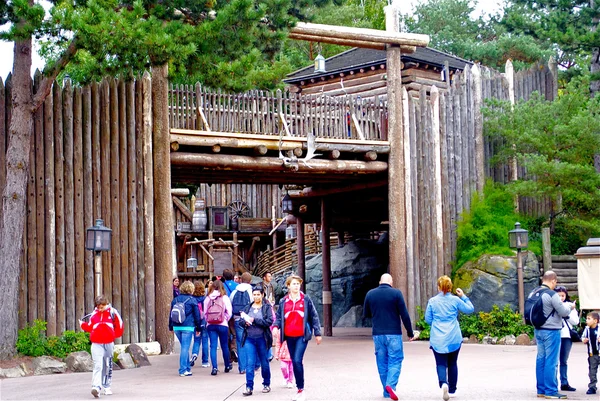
240,298
545,310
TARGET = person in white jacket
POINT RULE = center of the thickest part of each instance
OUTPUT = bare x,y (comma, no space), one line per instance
565,338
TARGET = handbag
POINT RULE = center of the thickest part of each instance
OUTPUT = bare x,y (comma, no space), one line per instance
575,337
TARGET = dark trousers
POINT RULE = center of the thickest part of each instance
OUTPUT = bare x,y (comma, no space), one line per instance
232,342
565,350
447,369
297,347
593,362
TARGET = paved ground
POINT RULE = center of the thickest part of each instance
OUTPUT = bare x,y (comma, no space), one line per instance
341,368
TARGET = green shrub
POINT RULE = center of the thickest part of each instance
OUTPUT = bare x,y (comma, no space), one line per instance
422,325
484,228
496,323
32,341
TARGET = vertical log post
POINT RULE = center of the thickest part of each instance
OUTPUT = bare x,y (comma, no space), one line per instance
410,262
149,273
163,206
115,253
326,257
88,185
478,117
301,250
123,211
79,208
546,249
510,77
437,201
396,194
132,265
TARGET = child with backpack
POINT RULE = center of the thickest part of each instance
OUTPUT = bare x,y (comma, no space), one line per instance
592,340
104,325
282,354
184,321
217,312
240,298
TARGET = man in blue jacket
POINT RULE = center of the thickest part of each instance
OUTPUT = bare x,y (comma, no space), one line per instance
386,306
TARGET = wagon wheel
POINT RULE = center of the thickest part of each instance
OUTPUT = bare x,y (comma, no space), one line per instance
239,209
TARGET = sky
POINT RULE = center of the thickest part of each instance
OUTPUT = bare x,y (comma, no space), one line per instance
6,48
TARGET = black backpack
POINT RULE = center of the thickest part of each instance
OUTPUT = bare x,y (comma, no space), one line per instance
240,300
534,307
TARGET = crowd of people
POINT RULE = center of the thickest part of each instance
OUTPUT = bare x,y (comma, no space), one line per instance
246,322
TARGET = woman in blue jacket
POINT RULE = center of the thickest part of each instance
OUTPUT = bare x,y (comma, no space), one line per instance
445,339
185,331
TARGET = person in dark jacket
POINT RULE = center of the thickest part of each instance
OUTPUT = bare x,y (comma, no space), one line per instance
296,320
256,320
386,306
202,339
185,331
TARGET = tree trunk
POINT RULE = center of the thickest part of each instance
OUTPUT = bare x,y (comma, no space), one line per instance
14,196
163,207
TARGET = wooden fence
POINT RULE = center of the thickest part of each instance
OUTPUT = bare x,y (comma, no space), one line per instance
258,112
89,159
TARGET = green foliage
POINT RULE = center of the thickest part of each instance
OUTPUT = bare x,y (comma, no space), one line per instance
455,29
555,142
32,341
496,323
484,228
422,325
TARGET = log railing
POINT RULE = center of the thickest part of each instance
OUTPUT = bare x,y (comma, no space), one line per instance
284,257
348,117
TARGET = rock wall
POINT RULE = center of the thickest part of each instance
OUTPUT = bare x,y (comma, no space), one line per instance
492,280
355,269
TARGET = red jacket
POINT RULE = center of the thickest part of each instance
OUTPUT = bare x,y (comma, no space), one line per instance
104,326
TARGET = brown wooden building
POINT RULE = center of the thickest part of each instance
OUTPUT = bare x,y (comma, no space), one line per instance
363,72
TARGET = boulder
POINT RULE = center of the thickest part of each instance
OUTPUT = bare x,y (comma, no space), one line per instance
125,361
138,355
12,373
473,339
80,362
45,365
487,340
507,340
492,280
522,339
352,318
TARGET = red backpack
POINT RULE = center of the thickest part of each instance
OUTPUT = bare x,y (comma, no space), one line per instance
215,313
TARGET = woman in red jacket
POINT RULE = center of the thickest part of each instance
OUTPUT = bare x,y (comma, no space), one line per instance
104,325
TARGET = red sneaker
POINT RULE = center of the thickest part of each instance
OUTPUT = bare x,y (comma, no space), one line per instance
390,390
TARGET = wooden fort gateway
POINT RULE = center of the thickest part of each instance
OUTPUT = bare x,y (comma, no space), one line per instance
112,149
245,158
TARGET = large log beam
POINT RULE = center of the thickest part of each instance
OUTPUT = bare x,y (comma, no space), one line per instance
323,32
348,42
271,142
248,163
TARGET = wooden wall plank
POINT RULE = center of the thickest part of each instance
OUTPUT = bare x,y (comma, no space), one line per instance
105,145
78,213
115,196
31,233
59,204
123,209
131,210
69,205
88,194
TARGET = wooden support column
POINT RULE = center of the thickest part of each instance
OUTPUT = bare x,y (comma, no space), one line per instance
301,250
163,207
326,257
396,191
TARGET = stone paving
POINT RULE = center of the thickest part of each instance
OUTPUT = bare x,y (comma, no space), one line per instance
341,368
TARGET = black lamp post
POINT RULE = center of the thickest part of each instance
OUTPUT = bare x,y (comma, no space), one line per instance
98,239
286,204
519,239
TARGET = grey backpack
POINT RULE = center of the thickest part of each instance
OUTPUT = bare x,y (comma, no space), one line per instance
178,312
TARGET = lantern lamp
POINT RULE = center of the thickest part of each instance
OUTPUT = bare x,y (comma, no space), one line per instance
286,204
320,63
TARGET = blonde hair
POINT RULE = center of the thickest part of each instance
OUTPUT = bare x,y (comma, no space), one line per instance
288,280
444,284
187,288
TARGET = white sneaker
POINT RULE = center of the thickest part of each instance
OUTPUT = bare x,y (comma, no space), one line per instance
299,396
289,385
107,391
445,395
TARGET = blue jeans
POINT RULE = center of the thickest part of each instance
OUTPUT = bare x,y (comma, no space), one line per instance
185,338
389,354
447,369
257,348
198,340
242,357
216,331
565,350
548,348
297,348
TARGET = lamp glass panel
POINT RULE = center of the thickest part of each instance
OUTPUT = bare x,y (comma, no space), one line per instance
90,239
